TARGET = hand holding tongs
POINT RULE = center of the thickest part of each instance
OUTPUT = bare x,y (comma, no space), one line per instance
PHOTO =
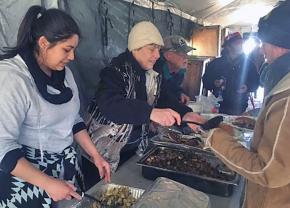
210,124
83,194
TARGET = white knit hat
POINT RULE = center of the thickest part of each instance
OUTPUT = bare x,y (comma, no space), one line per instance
144,33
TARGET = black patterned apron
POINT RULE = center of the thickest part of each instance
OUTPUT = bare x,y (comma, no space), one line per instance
16,193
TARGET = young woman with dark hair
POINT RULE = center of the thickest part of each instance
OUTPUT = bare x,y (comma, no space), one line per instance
39,114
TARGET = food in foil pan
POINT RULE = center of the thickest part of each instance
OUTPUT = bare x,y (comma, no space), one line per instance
177,137
188,162
111,196
244,122
187,140
117,197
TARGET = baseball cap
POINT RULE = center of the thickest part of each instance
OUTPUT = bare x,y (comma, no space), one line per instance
176,43
232,37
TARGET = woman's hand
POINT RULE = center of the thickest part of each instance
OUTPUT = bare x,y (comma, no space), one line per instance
60,190
165,117
84,140
55,188
103,167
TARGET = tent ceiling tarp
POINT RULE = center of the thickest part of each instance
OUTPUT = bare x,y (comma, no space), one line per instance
219,12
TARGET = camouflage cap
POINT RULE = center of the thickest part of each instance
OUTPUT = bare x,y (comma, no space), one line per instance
176,43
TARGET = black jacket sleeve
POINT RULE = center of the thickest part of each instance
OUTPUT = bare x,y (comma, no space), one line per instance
210,75
10,160
168,100
114,105
253,78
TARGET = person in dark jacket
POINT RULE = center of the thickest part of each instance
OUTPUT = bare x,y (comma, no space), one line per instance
232,76
130,95
174,62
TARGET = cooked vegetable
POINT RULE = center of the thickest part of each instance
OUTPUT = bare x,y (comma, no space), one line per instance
187,162
120,197
244,122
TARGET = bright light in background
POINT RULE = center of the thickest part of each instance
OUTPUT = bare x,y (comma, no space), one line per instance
249,45
260,94
251,13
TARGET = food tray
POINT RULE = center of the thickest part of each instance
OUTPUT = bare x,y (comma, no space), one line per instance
230,119
88,203
163,141
193,139
202,183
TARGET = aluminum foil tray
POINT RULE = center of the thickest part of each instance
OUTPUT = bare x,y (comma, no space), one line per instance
160,140
202,183
88,203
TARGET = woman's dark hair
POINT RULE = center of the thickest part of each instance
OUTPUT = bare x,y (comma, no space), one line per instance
54,24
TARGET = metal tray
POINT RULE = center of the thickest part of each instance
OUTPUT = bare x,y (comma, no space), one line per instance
88,203
203,183
229,119
163,141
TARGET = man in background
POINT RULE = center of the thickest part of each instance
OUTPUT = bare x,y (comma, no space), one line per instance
232,76
266,166
174,61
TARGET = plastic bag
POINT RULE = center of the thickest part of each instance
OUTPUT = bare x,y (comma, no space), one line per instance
205,104
166,193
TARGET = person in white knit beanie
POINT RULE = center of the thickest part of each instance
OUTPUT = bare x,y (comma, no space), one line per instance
142,34
128,95
144,42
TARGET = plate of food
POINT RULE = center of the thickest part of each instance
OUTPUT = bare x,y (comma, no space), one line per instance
244,122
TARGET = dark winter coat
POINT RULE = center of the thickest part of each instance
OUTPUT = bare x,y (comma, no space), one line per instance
236,73
121,99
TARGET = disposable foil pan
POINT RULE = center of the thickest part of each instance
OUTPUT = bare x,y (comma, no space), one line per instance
88,203
160,140
200,182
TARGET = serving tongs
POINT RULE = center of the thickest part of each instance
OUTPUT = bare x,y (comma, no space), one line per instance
175,135
85,195
225,170
209,124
